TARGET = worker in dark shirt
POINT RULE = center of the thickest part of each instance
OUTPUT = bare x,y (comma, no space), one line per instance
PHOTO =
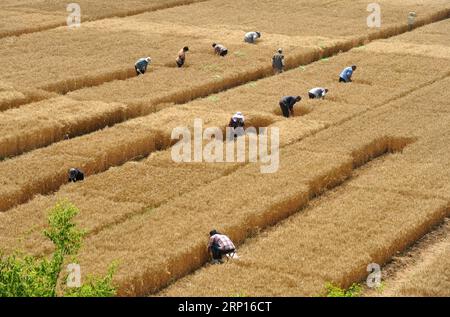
75,175
278,62
287,105
237,122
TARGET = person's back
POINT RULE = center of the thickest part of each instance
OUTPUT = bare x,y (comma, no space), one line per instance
251,37
141,65
287,105
223,242
278,61
219,49
237,120
181,57
75,175
346,74
317,92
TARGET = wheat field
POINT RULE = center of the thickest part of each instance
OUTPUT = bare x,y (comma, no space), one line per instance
363,175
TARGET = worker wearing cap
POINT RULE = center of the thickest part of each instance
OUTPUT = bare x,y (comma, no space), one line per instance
251,37
317,93
237,123
141,65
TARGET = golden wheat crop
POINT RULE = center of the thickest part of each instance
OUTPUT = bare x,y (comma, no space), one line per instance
347,204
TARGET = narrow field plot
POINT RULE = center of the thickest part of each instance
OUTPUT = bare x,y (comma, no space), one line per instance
333,240
430,276
18,17
422,170
431,34
11,97
296,18
42,123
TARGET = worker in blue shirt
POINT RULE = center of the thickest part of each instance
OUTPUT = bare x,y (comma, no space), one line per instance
346,75
141,65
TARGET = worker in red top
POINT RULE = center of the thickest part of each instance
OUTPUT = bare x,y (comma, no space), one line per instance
219,245
181,58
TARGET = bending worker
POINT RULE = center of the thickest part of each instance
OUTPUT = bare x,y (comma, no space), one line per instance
141,65
219,49
251,37
317,93
346,74
287,105
75,175
219,245
181,58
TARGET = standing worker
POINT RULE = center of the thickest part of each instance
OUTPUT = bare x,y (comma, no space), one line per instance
278,62
141,65
317,93
346,74
251,37
287,105
181,58
219,245
219,49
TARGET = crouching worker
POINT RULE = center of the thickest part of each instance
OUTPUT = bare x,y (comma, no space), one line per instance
237,122
251,37
75,175
141,65
220,49
287,105
181,58
219,245
346,74
317,93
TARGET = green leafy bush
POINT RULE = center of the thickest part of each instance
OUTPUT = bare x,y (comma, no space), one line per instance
29,276
336,291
